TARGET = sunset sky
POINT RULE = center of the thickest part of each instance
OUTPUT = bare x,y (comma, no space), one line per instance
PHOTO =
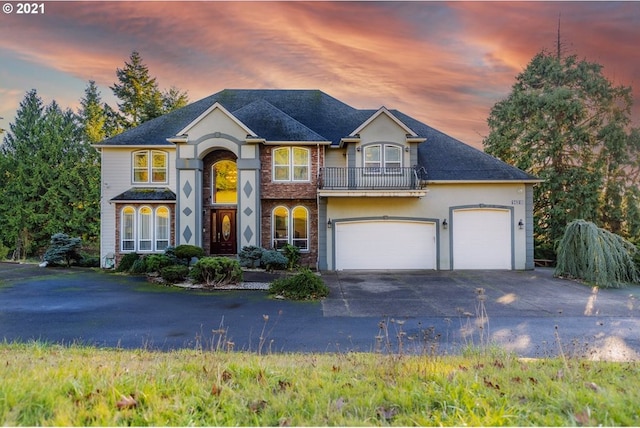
444,63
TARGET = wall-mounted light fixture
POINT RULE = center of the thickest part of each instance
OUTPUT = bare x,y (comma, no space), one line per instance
520,224
445,224
358,148
406,149
329,224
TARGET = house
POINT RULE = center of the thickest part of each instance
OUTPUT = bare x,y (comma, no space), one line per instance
352,188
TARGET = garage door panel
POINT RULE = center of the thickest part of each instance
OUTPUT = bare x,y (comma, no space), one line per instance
385,245
482,239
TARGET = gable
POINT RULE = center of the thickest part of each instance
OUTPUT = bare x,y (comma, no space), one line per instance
215,119
383,127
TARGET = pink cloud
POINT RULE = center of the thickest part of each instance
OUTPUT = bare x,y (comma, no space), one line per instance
443,63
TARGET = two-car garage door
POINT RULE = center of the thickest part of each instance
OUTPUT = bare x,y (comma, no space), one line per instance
385,244
481,238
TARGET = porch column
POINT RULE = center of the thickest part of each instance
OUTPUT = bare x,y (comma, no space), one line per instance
249,208
189,201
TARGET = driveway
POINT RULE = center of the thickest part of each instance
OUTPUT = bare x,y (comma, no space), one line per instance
530,313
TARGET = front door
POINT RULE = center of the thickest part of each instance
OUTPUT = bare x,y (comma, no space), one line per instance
223,231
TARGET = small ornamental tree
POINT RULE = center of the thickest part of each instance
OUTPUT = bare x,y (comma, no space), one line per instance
597,256
63,249
187,252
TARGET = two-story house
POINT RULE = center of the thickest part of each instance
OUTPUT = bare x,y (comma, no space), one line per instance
352,188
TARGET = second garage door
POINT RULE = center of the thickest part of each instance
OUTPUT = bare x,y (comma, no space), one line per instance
385,244
481,239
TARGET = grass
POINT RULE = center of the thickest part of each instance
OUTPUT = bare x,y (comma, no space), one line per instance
44,384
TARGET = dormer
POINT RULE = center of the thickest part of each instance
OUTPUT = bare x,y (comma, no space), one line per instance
382,139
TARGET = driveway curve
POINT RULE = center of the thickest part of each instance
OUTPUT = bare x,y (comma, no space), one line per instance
530,313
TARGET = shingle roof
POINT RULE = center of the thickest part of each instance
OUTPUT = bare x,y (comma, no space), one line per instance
146,194
312,115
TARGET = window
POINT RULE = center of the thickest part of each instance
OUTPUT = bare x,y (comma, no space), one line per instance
145,229
283,223
150,166
300,226
162,228
127,232
291,164
383,158
224,176
280,227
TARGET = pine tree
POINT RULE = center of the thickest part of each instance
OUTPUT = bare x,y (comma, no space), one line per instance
138,92
174,99
92,115
51,180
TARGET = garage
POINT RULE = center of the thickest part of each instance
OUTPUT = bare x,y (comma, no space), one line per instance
385,244
482,238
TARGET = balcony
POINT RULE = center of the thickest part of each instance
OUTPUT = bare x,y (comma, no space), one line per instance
368,181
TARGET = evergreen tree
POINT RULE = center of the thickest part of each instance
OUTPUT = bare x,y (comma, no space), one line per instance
565,123
141,99
174,99
51,180
15,194
138,92
92,115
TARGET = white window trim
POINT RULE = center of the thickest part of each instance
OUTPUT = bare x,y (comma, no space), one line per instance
293,238
157,240
153,229
291,165
290,227
381,165
149,167
122,229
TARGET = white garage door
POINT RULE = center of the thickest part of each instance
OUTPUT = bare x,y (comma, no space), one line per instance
481,239
385,244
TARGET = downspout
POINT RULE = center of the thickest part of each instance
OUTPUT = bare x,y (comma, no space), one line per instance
318,208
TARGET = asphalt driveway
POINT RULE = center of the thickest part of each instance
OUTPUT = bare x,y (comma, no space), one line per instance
530,313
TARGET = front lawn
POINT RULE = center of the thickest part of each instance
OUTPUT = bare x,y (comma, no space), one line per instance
79,386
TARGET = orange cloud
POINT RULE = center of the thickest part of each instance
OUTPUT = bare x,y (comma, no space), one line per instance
443,63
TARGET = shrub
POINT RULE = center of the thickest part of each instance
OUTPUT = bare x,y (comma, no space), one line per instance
216,271
187,252
171,253
4,251
155,262
89,261
250,256
139,266
292,253
596,255
63,248
273,260
174,273
127,262
303,286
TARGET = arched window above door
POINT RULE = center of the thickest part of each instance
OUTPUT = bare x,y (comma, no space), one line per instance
224,182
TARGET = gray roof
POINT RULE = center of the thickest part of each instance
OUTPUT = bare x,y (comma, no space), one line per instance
312,115
147,194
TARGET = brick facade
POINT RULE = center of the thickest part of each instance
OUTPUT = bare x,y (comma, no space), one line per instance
290,195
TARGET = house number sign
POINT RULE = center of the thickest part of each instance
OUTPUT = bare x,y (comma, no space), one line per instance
517,202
